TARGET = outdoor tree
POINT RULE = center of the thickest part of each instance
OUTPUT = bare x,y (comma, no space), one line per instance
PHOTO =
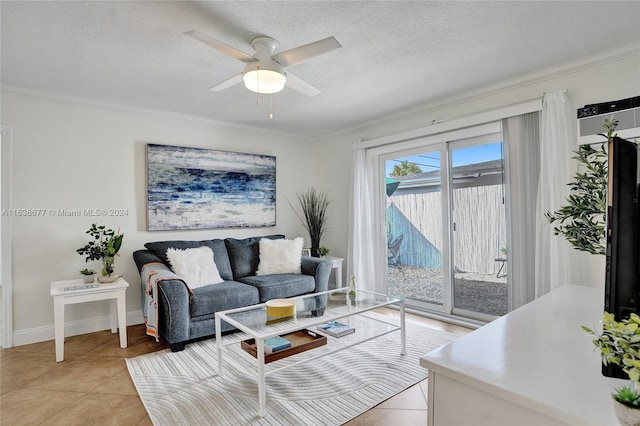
405,168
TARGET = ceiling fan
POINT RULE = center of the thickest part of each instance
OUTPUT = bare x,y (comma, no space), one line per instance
264,72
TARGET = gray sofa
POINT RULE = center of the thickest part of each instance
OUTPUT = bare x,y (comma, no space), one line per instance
183,316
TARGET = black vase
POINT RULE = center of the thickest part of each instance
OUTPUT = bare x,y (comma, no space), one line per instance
315,252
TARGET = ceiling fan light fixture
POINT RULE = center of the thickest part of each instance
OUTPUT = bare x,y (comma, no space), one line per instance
261,79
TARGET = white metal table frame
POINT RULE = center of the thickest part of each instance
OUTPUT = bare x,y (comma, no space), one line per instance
114,292
260,337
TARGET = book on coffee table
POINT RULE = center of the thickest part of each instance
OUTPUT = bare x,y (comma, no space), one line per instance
336,329
275,344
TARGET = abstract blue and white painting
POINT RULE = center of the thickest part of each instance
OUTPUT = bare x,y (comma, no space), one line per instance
194,188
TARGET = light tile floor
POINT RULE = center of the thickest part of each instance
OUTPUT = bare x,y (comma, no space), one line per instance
92,385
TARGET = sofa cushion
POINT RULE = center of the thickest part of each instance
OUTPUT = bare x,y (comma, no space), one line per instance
220,256
281,286
244,255
194,265
220,297
280,256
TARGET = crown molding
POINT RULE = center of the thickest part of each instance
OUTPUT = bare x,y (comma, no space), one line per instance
62,99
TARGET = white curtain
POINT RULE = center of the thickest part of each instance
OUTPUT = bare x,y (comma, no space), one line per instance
521,135
557,143
360,261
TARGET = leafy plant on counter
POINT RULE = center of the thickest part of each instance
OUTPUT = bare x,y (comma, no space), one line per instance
627,396
619,343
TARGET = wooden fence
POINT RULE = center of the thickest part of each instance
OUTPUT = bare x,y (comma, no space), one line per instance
480,228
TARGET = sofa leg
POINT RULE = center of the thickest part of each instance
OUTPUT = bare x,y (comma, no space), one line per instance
177,347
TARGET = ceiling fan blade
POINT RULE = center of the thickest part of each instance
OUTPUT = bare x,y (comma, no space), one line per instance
224,48
301,86
308,51
232,81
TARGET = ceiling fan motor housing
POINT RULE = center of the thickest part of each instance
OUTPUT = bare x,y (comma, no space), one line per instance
264,75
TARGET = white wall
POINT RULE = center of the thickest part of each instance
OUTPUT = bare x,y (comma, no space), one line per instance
72,156
611,76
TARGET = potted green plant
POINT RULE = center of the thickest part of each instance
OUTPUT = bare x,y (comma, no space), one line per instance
104,247
582,220
314,205
619,343
323,251
87,275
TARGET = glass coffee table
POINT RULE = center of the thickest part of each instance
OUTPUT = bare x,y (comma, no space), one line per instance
311,310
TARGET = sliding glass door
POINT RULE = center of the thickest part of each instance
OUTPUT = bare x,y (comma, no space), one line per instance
414,220
445,223
479,248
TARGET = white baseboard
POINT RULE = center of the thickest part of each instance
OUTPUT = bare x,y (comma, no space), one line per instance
72,328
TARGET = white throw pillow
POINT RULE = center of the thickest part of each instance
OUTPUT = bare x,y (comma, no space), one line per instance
280,256
195,266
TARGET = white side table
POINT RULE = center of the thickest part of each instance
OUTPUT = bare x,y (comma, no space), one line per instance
337,265
114,292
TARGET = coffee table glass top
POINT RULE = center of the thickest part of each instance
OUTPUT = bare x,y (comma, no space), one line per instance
309,312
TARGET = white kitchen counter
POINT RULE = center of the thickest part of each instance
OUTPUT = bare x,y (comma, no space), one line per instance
533,366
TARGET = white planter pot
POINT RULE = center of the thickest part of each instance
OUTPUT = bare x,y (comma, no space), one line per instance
627,416
108,279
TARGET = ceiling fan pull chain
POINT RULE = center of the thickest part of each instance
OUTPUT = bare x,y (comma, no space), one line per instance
271,107
258,88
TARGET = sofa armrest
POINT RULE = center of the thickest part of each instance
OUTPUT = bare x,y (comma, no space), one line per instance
173,299
142,257
318,268
174,310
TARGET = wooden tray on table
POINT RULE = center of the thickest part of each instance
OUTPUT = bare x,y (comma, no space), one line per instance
301,341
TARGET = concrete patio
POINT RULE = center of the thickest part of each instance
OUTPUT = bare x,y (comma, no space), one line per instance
472,291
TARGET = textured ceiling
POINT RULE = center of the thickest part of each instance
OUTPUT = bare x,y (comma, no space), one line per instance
395,55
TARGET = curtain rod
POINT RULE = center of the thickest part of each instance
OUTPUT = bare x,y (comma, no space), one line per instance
504,106
443,126
540,98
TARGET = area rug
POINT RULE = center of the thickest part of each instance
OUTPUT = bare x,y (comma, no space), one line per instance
183,388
